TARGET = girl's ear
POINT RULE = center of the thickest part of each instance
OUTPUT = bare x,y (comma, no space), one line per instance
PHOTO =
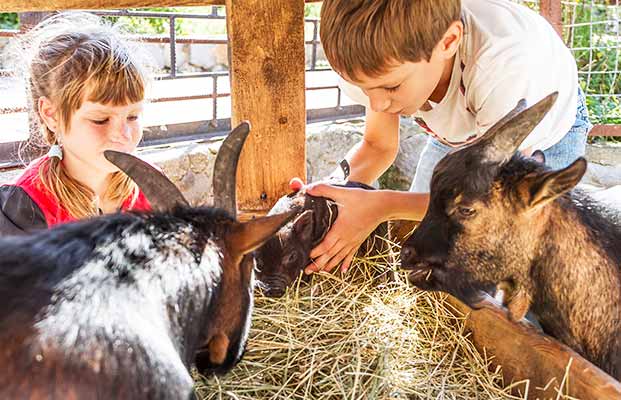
47,112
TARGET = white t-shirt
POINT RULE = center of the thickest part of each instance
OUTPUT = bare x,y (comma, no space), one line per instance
508,52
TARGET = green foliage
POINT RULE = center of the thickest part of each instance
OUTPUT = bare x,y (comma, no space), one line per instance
597,53
150,26
312,10
9,21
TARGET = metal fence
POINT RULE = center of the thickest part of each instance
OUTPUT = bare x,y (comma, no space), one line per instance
202,129
592,31
590,28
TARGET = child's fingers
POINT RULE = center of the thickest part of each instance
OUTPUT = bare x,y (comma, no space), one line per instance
347,261
336,260
325,190
326,245
321,262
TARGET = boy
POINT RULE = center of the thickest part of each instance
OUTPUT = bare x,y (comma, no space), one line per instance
456,67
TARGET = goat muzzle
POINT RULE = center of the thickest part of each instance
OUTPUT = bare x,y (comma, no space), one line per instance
218,347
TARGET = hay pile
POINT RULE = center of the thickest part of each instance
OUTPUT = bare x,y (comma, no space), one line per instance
357,337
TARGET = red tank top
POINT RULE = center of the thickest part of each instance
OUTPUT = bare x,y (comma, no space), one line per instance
54,212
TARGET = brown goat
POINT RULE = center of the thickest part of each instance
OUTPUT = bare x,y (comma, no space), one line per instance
496,217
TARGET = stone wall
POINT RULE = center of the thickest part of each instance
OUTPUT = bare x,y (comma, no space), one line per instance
189,165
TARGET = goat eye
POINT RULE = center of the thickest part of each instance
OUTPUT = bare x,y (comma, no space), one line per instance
466,211
291,258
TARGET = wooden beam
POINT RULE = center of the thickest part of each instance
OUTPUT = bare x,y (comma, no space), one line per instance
267,89
51,5
524,353
551,10
606,130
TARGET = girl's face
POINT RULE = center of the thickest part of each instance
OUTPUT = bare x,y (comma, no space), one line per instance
96,127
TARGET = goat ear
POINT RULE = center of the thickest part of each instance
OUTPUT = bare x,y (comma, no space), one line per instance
303,226
538,156
543,188
244,237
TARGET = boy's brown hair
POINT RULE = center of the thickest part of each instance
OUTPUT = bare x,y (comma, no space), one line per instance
366,36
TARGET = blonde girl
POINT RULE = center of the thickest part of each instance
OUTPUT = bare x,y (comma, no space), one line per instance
86,88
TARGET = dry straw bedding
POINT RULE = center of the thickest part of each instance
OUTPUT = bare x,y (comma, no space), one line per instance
357,337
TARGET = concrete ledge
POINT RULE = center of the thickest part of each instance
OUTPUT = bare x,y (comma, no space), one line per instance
190,164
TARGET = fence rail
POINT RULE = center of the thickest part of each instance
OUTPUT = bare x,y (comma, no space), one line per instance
561,14
214,127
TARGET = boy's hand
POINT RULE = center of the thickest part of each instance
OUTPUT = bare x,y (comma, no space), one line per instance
358,217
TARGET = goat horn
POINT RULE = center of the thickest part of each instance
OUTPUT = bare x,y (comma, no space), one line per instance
225,168
159,190
504,138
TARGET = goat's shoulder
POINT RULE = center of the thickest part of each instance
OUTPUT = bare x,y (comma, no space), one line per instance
81,372
602,222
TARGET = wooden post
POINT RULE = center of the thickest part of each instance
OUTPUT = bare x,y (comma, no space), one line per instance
551,10
267,89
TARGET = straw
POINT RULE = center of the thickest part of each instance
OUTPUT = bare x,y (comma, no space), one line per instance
358,336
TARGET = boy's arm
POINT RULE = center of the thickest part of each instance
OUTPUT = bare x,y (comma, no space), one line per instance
377,150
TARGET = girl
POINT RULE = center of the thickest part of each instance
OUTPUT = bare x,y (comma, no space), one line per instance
86,91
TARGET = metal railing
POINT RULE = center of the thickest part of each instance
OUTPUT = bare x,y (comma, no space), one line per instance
204,129
592,31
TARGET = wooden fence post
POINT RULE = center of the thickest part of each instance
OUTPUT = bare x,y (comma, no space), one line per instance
267,88
551,10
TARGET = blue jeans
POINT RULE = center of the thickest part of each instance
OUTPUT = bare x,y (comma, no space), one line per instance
560,155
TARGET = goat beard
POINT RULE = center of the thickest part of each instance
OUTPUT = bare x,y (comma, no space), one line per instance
454,282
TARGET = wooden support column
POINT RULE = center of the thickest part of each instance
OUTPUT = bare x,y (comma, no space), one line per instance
267,89
551,10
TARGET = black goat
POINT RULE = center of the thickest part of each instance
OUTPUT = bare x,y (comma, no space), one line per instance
496,217
120,306
281,260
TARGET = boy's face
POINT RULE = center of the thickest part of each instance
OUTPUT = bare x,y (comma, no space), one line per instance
404,88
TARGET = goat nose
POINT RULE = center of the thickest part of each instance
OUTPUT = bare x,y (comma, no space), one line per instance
218,347
407,253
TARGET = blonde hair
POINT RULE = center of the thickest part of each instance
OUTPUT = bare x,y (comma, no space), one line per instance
366,36
70,58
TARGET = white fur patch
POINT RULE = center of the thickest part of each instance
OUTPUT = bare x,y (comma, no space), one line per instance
211,263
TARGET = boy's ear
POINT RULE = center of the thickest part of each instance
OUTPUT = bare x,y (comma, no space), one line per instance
47,112
451,39
540,189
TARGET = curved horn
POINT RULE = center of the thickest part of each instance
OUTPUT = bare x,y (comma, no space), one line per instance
504,138
225,169
159,190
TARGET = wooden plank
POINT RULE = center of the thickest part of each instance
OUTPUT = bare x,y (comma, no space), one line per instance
606,130
551,10
267,87
50,5
524,353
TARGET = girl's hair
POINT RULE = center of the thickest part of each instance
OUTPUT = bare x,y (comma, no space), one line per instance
70,58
